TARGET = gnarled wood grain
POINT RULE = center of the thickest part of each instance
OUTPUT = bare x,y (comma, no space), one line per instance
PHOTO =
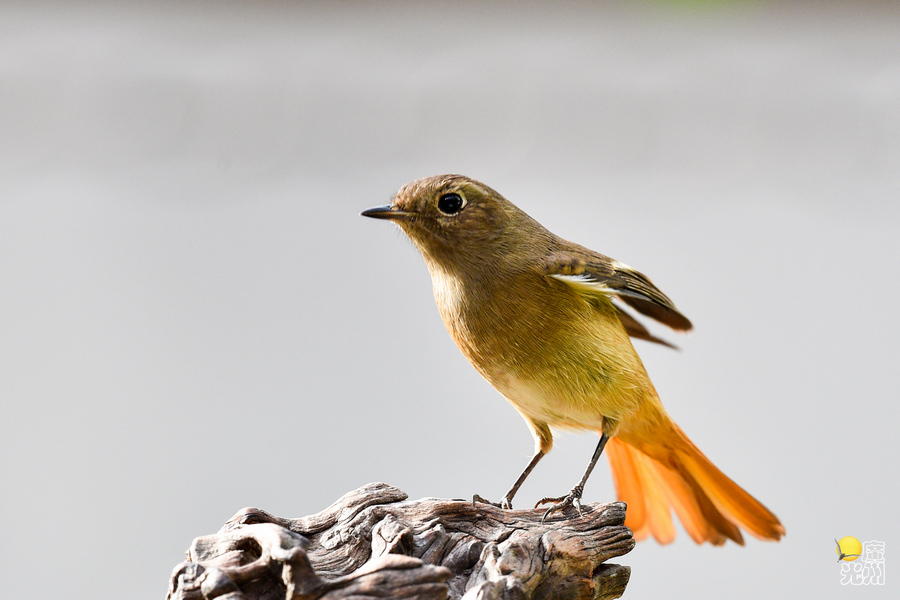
374,543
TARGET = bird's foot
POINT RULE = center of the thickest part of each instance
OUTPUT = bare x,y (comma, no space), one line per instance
573,498
505,504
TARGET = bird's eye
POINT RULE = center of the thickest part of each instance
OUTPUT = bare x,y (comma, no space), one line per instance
451,203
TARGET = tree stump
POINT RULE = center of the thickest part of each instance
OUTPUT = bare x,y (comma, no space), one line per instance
373,543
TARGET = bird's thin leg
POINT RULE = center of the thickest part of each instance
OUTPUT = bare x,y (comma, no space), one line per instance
508,498
573,498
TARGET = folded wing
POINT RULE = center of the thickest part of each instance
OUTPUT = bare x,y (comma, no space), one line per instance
591,273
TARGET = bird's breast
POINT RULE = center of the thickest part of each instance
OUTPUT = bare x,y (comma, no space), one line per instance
557,357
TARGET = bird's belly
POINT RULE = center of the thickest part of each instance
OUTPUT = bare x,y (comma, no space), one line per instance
559,405
559,359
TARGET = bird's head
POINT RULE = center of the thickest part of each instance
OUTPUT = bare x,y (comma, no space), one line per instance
456,221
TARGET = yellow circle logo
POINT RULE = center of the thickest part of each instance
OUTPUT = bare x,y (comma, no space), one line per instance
848,548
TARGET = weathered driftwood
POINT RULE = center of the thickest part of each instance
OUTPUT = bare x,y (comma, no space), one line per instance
372,543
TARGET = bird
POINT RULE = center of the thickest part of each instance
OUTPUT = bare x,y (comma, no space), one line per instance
543,320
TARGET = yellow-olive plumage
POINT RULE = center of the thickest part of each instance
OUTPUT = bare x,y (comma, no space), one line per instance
534,314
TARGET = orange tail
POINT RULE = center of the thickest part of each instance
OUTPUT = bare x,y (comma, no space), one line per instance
671,472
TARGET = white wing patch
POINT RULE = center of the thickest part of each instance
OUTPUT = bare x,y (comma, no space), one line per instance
585,283
588,284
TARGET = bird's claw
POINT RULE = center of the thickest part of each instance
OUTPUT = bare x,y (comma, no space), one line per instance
573,499
505,504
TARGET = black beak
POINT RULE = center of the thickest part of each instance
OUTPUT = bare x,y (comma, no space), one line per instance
387,212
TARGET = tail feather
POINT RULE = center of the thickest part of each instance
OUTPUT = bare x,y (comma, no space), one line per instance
659,517
670,472
701,519
731,499
628,484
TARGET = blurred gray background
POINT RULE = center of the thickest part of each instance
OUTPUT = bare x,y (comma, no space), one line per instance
194,318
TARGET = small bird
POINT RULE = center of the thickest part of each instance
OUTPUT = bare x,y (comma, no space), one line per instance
534,314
